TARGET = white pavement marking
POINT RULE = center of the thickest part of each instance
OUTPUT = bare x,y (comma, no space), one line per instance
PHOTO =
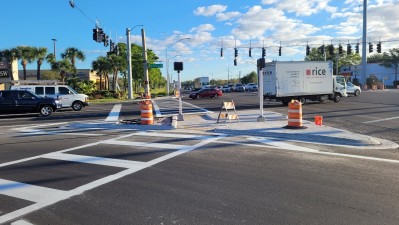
380,120
290,147
96,160
28,192
21,222
156,109
143,144
173,135
35,193
114,114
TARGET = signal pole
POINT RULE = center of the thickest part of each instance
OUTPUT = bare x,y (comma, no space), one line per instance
364,50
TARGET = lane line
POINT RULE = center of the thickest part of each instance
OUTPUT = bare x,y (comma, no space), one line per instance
144,144
290,147
114,114
380,120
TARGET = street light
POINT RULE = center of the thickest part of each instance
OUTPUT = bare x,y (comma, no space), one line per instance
129,60
167,64
55,57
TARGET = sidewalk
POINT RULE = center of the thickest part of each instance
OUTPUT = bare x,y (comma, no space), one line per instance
274,128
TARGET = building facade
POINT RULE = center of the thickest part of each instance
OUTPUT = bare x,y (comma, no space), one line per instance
385,75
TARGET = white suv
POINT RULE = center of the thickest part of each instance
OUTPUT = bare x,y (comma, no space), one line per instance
67,96
352,89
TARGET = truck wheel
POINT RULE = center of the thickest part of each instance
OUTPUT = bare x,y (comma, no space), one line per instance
337,98
77,106
285,102
357,92
302,100
46,110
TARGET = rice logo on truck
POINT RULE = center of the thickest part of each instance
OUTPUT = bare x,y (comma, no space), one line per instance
315,71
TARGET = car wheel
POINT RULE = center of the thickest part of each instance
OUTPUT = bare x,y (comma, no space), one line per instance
77,106
302,100
357,92
46,110
216,96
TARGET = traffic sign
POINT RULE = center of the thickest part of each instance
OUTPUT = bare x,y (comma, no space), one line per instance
156,65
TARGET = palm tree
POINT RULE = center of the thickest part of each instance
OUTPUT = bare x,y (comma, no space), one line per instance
115,62
40,54
10,55
101,65
26,54
72,54
62,66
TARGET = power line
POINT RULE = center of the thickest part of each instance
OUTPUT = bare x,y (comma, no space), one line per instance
73,5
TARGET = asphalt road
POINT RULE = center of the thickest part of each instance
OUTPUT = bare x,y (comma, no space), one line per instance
51,173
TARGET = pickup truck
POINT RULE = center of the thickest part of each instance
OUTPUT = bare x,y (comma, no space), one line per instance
22,101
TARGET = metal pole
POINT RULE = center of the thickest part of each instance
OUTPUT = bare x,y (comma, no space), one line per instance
55,56
180,116
167,71
364,52
145,66
129,65
260,91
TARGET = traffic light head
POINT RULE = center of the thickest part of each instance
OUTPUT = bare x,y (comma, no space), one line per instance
235,52
105,40
379,47
221,52
263,52
357,48
370,48
279,51
235,62
340,50
331,49
307,50
349,49
250,52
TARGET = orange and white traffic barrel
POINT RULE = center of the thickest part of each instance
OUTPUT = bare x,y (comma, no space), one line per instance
147,117
295,115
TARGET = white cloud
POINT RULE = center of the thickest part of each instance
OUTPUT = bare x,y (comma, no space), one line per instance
203,28
210,10
301,7
227,16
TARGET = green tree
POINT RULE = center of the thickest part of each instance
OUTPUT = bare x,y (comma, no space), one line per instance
101,65
250,78
391,60
39,54
72,54
27,55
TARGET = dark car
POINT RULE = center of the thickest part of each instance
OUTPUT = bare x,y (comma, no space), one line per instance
206,93
22,101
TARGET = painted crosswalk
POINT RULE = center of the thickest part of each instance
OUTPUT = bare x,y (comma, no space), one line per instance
45,196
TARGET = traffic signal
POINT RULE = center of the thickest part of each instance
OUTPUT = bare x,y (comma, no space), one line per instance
349,49
357,48
322,49
331,49
340,51
105,40
263,52
250,52
370,48
235,62
97,34
221,52
111,46
379,47
279,51
307,50
235,52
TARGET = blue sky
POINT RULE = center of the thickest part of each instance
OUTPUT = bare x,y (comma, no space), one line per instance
208,24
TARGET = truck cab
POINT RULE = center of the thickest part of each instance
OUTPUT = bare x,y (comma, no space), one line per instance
339,87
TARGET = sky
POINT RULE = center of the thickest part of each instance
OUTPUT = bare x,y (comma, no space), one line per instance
194,31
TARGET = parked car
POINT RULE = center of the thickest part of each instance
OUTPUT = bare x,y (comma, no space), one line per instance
239,88
206,93
251,87
353,89
225,89
22,101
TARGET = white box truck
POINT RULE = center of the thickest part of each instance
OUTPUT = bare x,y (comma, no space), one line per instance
50,88
201,82
302,80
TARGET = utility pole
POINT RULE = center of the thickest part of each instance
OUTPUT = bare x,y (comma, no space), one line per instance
147,93
364,50
129,65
